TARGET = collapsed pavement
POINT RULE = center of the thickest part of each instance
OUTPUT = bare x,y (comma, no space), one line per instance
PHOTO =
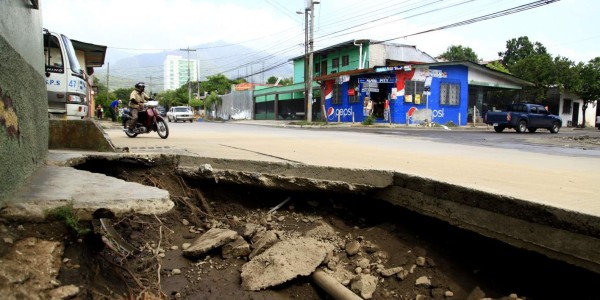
459,206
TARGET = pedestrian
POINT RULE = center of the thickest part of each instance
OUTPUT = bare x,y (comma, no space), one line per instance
99,112
136,102
114,108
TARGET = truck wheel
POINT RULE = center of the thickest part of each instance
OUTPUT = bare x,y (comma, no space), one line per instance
522,126
499,128
555,127
531,129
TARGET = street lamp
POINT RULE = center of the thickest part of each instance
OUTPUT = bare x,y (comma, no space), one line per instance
308,55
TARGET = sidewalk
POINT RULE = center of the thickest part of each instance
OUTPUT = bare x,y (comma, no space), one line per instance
55,184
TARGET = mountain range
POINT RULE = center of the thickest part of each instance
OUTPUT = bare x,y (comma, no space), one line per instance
234,61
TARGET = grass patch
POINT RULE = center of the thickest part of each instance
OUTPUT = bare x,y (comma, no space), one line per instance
306,123
67,214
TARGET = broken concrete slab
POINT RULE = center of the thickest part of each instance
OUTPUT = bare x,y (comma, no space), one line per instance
237,248
47,190
282,262
266,240
213,238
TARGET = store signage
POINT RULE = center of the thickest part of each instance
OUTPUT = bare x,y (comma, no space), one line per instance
386,79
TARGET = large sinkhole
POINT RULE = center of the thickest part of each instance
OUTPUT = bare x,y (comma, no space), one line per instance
438,261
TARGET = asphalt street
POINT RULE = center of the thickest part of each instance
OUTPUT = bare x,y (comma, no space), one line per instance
515,165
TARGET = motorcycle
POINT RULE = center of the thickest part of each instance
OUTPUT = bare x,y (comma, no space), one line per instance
148,120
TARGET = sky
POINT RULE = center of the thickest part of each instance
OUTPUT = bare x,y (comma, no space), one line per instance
568,28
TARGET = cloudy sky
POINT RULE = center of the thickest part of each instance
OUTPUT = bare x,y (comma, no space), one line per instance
568,27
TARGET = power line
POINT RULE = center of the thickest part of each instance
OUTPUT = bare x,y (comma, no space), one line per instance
498,14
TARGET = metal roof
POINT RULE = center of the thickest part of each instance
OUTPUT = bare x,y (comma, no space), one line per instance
94,54
468,64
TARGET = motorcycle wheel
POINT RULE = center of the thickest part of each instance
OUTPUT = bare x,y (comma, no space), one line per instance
131,135
162,129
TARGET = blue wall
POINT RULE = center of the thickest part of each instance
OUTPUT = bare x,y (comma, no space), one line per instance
441,114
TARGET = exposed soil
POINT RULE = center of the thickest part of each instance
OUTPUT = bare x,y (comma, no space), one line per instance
457,262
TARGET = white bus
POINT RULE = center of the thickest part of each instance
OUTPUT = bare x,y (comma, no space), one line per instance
65,80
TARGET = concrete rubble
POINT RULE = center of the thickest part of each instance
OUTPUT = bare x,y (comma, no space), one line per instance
282,262
213,238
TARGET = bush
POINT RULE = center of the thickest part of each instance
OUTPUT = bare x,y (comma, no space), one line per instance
370,120
450,124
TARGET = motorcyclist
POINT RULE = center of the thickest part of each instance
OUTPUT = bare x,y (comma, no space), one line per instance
136,103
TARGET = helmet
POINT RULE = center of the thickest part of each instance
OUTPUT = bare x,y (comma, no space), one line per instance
140,86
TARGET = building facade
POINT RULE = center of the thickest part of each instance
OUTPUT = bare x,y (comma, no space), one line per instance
441,93
24,105
288,102
178,71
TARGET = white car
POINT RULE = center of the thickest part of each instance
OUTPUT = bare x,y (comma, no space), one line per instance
180,113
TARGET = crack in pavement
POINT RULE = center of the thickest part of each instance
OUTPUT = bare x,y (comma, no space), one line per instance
269,155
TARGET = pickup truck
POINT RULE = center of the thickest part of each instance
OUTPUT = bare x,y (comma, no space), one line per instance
523,117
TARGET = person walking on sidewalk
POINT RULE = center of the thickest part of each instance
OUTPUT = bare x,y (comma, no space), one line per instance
114,108
136,103
99,112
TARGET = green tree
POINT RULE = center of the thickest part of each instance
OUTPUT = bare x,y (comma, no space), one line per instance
518,49
287,81
123,94
539,69
103,97
217,83
197,103
459,53
589,87
272,80
174,97
283,81
212,102
498,66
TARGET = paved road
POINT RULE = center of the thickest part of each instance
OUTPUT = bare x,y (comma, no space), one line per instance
557,176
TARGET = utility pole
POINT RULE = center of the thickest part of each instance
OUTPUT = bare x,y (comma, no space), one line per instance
310,61
150,77
198,73
189,76
305,58
107,75
308,55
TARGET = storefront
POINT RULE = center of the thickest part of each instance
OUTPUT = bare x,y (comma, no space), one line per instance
410,94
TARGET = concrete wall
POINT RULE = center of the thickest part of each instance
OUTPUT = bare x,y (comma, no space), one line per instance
78,134
24,102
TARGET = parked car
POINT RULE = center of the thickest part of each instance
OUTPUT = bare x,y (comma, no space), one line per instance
180,113
523,117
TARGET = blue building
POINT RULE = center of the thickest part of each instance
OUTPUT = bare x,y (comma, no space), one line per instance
440,92
394,83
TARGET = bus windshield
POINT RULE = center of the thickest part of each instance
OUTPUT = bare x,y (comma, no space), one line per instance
75,67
